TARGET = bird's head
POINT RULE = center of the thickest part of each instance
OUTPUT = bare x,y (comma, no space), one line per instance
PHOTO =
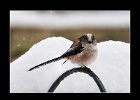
88,39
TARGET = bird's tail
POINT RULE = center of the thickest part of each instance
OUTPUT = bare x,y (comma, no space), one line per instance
47,62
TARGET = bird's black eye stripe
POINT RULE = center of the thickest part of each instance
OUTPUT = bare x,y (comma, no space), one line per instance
83,38
93,37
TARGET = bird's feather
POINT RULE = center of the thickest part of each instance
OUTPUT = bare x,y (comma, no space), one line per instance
47,62
73,50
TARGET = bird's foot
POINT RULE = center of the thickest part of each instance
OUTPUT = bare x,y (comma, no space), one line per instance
83,66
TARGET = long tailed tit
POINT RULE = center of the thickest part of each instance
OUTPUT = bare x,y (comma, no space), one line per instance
83,52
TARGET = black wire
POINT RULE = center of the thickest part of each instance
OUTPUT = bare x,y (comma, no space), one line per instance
74,70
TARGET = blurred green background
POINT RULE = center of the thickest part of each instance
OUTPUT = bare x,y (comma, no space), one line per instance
23,38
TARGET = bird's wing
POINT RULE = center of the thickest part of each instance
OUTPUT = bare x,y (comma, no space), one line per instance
75,48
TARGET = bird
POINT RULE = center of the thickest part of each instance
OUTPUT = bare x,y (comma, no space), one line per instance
82,52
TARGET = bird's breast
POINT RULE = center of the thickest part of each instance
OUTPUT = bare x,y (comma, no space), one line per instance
87,56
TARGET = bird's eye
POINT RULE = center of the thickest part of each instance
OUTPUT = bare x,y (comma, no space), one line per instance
85,40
